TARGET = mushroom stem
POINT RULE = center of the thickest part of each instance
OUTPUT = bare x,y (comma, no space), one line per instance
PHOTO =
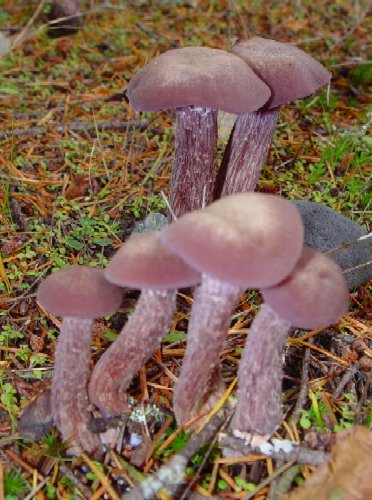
246,152
70,406
136,343
259,408
194,167
200,384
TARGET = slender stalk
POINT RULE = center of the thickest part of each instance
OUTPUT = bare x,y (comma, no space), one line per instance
246,152
70,406
200,382
259,408
194,167
136,343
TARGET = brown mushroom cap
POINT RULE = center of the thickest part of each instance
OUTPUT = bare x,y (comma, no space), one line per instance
288,71
79,292
143,262
247,240
314,295
197,76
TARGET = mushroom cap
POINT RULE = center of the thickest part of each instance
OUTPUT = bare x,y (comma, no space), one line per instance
248,239
197,76
289,72
314,295
143,262
79,292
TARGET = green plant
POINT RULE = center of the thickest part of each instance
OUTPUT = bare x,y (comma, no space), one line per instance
15,485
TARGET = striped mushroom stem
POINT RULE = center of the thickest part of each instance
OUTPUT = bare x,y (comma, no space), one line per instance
191,81
142,263
314,295
243,241
290,74
79,294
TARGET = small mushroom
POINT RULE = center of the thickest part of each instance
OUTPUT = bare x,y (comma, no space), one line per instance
290,73
197,81
80,294
142,262
242,241
314,295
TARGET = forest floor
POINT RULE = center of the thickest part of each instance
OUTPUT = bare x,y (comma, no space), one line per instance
78,168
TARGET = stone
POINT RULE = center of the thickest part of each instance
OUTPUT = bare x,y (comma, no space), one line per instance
326,230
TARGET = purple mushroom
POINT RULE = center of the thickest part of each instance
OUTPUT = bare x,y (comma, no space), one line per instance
314,295
231,243
197,81
142,263
290,73
80,294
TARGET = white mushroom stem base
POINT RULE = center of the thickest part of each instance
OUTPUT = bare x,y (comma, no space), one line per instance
194,167
200,384
70,406
246,152
259,408
138,340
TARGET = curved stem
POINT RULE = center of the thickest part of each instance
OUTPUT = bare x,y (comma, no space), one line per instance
136,343
246,152
259,408
194,167
69,387
200,383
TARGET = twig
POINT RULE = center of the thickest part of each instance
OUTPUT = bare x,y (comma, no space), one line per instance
201,466
21,35
298,453
172,473
345,379
302,395
268,480
78,126
66,471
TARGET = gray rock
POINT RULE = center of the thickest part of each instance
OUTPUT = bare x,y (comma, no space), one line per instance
326,229
153,222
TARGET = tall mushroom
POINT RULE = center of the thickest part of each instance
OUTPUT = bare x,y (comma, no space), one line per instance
290,73
314,295
79,294
142,263
197,81
231,243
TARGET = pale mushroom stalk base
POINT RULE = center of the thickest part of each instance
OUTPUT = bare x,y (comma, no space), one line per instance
246,152
138,340
194,167
200,384
259,407
70,406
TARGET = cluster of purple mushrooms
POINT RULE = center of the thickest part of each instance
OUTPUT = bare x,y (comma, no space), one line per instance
244,240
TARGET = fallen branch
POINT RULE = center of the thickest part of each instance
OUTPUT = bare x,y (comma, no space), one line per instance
77,126
173,473
291,453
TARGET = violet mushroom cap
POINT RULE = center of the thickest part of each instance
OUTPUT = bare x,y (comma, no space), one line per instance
290,73
243,241
79,294
314,295
141,263
197,81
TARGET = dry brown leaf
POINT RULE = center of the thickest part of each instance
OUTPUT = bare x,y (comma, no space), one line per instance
347,476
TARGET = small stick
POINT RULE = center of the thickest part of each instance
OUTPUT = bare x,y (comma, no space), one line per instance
77,126
302,395
296,453
172,473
